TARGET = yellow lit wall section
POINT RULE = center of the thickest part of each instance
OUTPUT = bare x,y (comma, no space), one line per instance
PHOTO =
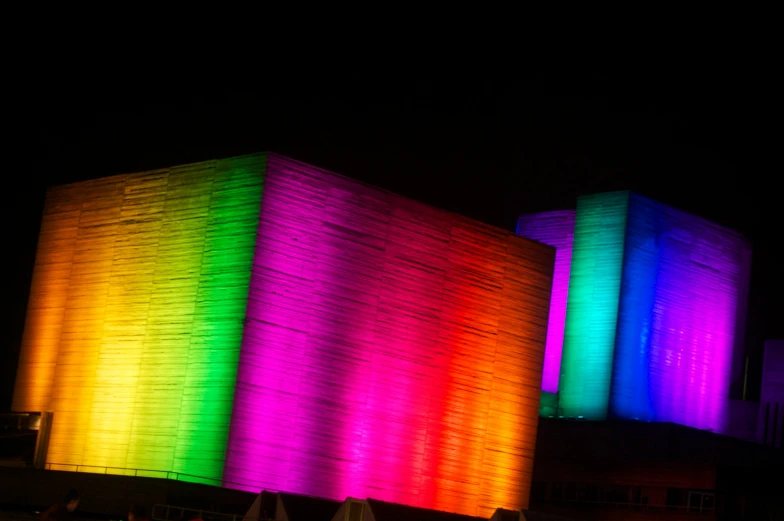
135,317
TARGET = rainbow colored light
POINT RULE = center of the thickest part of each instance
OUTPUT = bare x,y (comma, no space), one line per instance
592,307
320,336
655,296
391,350
135,318
555,229
683,281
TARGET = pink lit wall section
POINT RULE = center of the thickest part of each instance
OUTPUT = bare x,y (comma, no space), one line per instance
555,229
391,350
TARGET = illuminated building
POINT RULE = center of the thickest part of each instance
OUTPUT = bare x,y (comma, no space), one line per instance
263,324
655,308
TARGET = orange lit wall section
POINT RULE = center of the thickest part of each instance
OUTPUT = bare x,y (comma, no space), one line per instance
135,318
46,304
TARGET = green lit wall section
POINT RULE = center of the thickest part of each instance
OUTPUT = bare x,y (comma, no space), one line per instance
135,318
592,306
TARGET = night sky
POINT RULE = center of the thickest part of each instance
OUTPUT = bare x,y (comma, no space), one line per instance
487,150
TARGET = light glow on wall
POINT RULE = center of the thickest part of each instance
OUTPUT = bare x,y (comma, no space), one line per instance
391,351
677,317
592,305
135,317
555,229
655,300
318,336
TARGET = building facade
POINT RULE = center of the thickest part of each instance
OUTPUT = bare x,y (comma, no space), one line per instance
260,323
653,318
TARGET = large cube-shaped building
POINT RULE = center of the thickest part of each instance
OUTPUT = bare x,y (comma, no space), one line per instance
653,313
263,324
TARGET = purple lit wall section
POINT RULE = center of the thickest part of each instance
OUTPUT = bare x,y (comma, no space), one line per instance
555,229
390,350
682,292
770,428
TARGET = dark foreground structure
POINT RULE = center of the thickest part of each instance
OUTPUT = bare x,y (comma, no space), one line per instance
593,471
633,470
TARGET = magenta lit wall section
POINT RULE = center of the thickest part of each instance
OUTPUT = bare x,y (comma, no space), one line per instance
555,229
391,350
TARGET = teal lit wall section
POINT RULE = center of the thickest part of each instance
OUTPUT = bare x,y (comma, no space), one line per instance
592,306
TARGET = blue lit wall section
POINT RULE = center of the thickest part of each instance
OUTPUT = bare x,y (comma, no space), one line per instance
682,291
630,397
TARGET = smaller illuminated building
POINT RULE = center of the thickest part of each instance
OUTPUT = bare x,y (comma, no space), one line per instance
652,315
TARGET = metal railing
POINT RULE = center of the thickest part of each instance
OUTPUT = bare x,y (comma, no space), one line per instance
142,473
160,474
19,421
165,512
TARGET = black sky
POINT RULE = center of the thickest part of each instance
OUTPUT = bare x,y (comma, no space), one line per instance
489,150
